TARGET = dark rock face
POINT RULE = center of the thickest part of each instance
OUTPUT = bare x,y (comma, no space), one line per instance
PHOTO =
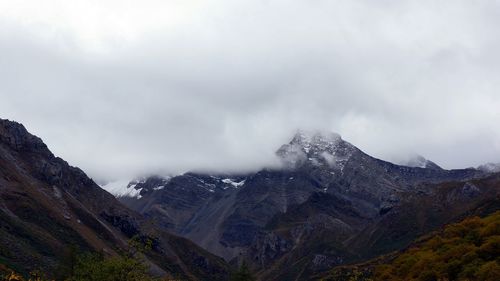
268,247
17,137
46,206
127,225
326,195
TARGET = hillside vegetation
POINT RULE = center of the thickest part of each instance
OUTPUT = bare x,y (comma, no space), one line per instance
469,250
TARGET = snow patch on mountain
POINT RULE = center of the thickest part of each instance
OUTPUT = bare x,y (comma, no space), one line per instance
234,183
123,188
160,187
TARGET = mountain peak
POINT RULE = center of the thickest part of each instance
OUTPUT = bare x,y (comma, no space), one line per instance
316,147
308,139
418,161
18,138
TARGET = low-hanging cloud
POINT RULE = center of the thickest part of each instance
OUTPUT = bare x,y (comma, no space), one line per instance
126,87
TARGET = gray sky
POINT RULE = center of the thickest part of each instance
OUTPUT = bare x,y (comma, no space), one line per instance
123,87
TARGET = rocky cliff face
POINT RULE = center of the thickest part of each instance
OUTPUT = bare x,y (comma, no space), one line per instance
326,195
48,207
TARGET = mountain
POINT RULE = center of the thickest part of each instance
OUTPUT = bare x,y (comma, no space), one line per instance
427,208
329,204
48,207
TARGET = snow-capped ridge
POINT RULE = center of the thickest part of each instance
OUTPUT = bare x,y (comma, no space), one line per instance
317,148
319,140
129,188
123,188
234,183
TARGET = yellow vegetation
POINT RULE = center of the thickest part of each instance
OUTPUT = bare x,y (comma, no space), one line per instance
469,250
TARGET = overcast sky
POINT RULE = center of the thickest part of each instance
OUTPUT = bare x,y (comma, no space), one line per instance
123,87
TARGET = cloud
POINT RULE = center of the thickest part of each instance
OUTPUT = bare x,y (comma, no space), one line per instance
124,87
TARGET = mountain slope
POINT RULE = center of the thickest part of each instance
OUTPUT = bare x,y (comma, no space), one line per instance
327,190
321,241
467,250
47,207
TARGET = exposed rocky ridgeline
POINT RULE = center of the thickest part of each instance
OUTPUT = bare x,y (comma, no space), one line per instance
329,204
47,207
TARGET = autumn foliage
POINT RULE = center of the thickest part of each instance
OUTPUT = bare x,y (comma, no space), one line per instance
469,250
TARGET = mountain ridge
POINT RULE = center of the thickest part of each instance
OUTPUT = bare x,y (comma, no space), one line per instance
46,206
245,222
328,205
321,145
